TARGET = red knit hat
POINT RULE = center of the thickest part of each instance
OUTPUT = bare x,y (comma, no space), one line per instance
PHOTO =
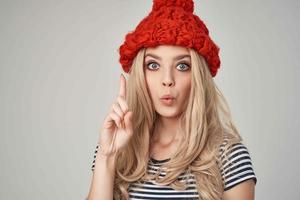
171,22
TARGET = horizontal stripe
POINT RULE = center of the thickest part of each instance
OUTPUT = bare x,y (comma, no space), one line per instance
235,167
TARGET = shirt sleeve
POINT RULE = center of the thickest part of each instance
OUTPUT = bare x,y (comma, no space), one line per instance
236,166
94,160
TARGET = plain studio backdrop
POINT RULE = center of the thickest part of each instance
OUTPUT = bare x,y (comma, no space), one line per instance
60,73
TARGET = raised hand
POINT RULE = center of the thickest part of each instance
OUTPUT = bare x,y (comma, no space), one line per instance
117,127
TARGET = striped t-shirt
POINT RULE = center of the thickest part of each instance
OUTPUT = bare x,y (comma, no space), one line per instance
234,170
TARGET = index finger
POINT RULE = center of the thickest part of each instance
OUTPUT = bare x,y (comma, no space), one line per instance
122,90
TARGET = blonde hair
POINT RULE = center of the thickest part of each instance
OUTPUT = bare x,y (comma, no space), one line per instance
206,123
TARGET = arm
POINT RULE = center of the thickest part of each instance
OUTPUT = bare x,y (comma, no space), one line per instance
244,190
114,135
237,173
103,178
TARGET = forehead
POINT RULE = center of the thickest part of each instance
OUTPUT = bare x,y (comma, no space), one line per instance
170,51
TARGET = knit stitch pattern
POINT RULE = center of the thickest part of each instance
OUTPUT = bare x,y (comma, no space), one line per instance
171,22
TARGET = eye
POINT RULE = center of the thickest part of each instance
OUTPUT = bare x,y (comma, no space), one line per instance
183,66
150,66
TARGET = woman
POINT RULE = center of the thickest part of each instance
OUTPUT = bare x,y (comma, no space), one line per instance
169,133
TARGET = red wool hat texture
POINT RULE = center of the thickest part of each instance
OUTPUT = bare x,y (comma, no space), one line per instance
170,22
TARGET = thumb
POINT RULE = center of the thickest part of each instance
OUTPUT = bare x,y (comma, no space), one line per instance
128,122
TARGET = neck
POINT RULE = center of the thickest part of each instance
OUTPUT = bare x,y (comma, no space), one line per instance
166,130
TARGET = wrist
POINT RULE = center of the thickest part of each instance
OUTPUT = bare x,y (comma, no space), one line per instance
104,156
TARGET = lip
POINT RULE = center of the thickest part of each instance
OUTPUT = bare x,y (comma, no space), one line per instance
167,100
167,96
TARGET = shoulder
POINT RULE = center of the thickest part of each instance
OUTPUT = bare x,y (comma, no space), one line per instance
235,164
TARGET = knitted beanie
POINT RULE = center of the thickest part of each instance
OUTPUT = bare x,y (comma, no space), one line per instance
171,22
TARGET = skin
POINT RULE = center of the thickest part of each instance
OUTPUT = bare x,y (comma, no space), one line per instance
244,190
165,74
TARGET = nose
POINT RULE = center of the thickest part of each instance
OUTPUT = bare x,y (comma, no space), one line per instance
168,84
168,79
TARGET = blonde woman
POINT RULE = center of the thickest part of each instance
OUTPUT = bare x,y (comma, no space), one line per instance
169,133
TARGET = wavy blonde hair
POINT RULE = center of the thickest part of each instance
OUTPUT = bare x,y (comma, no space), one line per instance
205,123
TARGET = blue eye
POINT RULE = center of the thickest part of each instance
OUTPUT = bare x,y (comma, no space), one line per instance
149,64
185,66
181,66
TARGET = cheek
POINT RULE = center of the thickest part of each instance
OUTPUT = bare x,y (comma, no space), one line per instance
185,86
150,84
186,90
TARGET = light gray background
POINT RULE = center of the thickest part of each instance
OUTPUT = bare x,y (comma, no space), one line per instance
59,74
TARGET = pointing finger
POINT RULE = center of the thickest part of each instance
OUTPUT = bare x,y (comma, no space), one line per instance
122,90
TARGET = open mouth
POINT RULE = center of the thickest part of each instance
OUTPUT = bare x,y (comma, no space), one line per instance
167,101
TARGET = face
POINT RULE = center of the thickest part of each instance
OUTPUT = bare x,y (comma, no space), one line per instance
168,72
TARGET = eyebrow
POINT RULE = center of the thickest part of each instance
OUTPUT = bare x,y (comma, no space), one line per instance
176,58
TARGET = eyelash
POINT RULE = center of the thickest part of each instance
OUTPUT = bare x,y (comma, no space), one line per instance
188,66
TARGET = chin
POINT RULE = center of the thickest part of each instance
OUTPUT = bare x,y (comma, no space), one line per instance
167,112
